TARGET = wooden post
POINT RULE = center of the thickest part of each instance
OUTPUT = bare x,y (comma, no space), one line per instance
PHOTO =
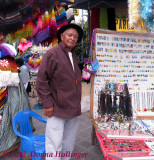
93,134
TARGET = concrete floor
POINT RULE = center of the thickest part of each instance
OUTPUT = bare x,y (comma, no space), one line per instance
83,141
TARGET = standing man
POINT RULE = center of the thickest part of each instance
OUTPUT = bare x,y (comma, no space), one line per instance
59,90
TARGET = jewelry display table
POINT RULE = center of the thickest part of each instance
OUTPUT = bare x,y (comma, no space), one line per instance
121,92
125,145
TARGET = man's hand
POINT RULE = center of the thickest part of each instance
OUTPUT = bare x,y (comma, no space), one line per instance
48,112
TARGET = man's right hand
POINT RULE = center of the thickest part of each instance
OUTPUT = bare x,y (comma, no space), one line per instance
48,112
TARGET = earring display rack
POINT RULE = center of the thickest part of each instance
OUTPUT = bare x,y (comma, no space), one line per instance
124,58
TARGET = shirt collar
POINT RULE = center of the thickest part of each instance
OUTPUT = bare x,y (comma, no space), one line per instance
65,48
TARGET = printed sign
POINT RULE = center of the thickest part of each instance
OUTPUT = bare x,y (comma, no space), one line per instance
123,26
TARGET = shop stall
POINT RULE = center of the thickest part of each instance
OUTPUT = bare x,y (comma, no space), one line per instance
122,90
13,98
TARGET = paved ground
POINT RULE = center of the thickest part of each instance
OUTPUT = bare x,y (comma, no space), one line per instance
83,141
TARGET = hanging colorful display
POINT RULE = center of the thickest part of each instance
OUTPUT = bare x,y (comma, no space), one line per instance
3,99
44,32
24,32
53,29
34,62
126,59
10,17
146,11
141,10
60,14
41,25
134,14
8,73
23,45
8,67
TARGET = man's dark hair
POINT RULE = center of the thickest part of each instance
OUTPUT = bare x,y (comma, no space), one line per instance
19,61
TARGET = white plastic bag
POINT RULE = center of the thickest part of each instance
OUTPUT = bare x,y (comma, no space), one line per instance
85,104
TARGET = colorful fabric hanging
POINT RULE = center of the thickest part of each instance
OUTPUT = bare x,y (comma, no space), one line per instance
8,67
10,17
41,29
3,99
24,45
44,32
16,102
53,29
2,103
134,14
37,28
34,62
8,64
53,24
26,57
3,93
146,11
25,32
1,109
60,14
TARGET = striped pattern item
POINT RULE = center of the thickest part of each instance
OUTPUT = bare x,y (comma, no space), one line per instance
10,17
3,99
61,18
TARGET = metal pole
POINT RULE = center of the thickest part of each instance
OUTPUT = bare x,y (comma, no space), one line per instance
88,31
82,38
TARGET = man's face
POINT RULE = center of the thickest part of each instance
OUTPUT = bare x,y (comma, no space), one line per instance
69,38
